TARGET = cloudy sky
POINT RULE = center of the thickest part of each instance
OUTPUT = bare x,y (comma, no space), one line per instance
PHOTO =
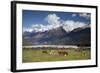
39,21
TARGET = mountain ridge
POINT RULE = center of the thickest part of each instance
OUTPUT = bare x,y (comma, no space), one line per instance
58,36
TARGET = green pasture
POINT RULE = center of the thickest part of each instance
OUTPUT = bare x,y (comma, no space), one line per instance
37,55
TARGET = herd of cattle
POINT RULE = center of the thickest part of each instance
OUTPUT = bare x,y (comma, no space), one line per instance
52,52
64,53
61,51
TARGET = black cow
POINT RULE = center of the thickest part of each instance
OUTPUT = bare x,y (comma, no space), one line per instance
45,52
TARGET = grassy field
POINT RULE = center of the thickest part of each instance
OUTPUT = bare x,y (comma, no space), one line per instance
45,54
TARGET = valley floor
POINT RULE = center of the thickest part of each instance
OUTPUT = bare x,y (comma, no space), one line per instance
54,54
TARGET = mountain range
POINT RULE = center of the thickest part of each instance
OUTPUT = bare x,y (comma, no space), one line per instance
80,36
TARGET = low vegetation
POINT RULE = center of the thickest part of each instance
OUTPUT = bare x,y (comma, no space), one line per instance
44,54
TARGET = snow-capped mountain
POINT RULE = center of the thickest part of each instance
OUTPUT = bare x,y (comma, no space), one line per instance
59,36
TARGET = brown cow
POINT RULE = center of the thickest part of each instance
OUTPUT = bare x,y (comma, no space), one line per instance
64,53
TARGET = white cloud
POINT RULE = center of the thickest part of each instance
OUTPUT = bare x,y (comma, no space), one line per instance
39,27
69,25
86,15
27,29
54,22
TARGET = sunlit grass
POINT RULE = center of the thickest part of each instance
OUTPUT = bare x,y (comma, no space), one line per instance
37,55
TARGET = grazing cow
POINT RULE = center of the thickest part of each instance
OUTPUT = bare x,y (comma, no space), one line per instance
52,52
83,53
64,53
45,52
